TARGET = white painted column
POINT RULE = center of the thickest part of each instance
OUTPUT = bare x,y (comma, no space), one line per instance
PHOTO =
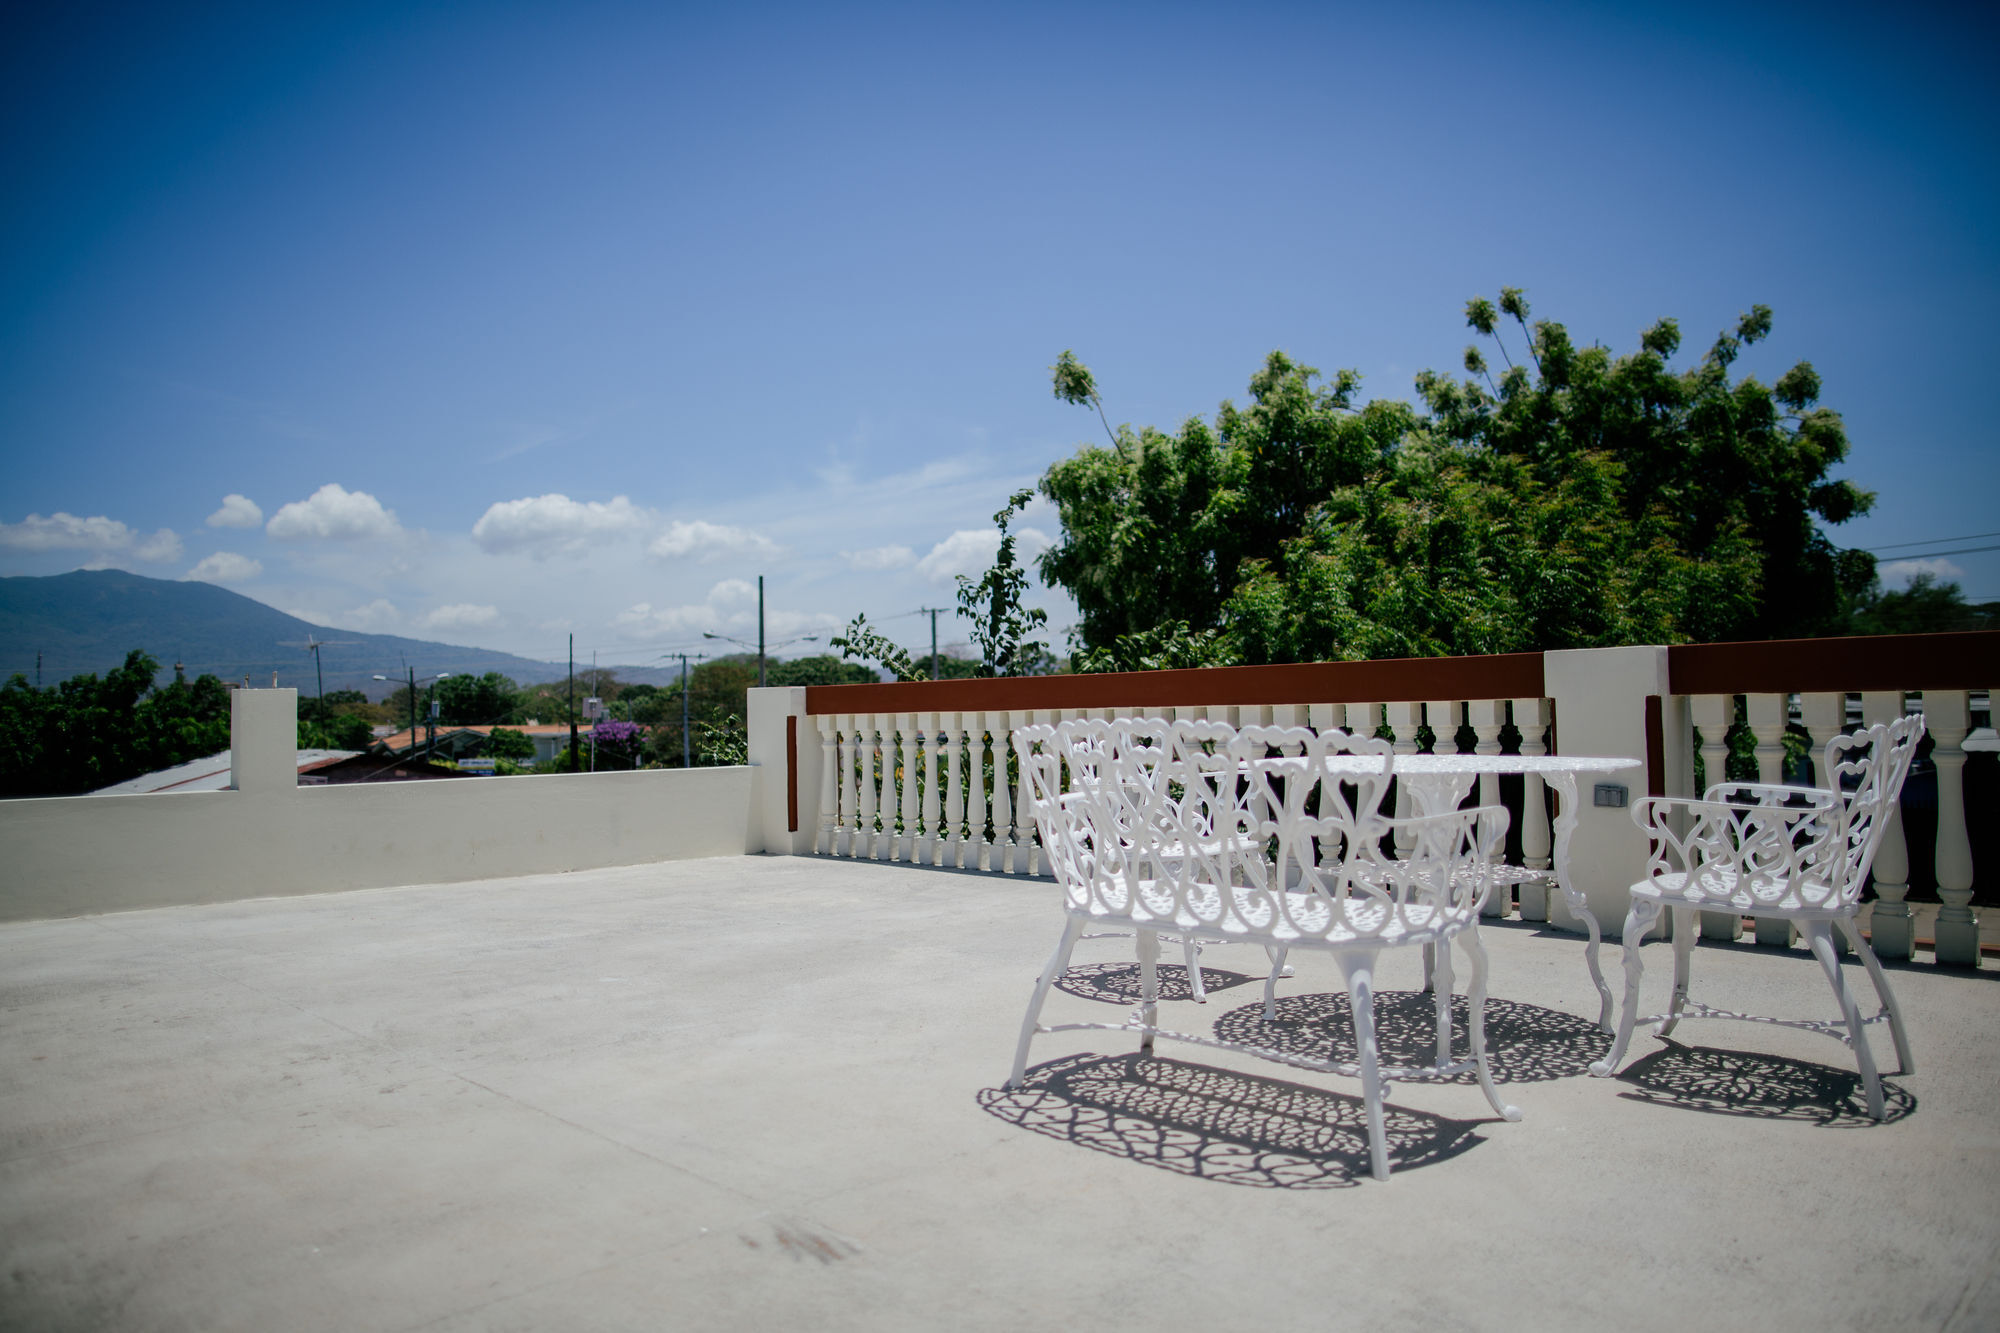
905,777
1404,719
1600,708
980,854
1824,717
865,836
770,712
845,844
1767,714
1486,717
932,848
1892,931
1531,718
263,740
1948,716
1714,714
954,809
829,750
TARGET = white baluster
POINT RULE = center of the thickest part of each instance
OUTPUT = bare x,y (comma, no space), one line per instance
1443,717
848,809
932,853
1486,717
1404,719
1325,717
1824,716
1948,716
865,839
823,835
1892,932
1288,715
1713,715
981,849
906,839
1767,716
1001,859
954,787
1531,718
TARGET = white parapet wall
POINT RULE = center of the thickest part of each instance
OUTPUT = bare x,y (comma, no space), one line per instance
75,855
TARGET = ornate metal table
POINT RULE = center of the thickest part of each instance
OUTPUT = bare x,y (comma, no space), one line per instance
1440,782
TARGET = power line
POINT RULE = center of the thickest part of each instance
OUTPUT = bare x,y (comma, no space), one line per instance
1931,555
1932,541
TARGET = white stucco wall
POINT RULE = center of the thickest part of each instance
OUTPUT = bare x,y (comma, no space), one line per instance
74,855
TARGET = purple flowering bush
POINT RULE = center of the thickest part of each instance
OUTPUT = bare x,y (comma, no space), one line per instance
619,745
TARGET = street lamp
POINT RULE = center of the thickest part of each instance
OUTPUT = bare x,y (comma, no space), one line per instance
413,683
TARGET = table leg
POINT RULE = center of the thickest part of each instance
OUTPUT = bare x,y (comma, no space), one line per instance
1564,784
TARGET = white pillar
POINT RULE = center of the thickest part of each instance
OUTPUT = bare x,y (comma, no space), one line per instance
1891,929
1715,714
1531,717
263,740
1600,707
778,767
1947,715
1486,717
1766,714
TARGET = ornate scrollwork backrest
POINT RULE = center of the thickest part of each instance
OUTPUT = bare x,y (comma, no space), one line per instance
1869,787
1264,832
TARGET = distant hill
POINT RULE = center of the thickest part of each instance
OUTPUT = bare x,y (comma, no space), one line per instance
89,620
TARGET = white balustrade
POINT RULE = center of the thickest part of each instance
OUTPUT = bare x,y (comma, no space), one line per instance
1892,931
1947,713
1714,715
1767,714
1531,719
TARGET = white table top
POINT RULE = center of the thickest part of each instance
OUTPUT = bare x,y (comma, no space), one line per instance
1425,764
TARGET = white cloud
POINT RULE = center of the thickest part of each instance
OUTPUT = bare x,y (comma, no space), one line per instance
105,536
224,567
163,547
333,511
238,511
380,614
730,605
970,551
460,616
546,524
880,557
708,542
1898,573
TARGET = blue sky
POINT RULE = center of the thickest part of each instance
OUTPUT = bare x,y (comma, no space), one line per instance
504,322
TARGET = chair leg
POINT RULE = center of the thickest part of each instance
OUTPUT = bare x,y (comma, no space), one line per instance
1906,1064
1359,969
1191,951
1476,1023
1430,966
1819,935
1637,922
1278,969
1058,963
1149,987
1684,933
1443,974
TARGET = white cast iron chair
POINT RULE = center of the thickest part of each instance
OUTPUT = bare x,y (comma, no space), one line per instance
1798,854
1195,828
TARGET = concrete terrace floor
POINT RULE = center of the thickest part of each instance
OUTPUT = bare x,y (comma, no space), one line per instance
764,1093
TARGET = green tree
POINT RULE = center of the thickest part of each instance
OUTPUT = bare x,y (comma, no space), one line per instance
506,743
1927,606
1000,623
89,732
823,669
475,701
862,641
1574,500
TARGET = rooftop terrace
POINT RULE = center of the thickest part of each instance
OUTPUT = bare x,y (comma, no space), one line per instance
764,1092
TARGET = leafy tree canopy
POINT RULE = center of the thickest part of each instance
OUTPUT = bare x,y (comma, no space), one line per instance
1573,499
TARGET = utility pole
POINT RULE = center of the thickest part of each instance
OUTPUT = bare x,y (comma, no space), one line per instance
572,703
687,742
933,612
413,707
760,631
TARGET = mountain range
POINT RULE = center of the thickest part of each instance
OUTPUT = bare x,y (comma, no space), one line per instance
66,624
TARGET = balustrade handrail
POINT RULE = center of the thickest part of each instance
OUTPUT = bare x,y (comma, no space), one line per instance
1497,676
1964,660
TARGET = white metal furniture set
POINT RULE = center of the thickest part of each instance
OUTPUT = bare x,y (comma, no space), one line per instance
1276,836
